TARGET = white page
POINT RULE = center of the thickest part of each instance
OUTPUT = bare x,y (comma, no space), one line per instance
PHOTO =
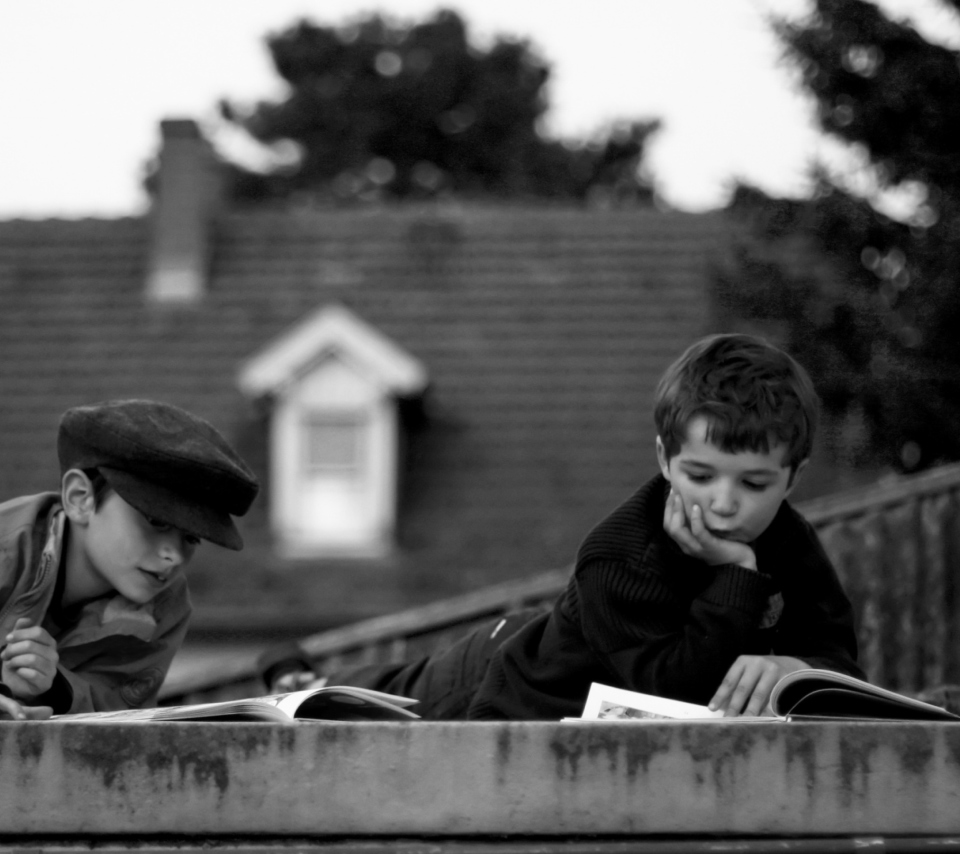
607,703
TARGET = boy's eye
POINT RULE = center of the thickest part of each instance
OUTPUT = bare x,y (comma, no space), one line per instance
756,486
698,478
163,528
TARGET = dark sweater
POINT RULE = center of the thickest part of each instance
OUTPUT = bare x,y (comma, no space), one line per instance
640,614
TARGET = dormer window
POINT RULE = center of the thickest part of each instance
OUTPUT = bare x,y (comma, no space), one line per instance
335,444
333,383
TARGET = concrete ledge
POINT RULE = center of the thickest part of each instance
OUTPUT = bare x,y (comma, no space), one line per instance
503,845
473,780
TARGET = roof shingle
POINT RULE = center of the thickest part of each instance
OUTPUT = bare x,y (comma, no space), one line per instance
543,331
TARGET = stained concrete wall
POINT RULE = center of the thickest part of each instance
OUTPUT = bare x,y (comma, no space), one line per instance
420,779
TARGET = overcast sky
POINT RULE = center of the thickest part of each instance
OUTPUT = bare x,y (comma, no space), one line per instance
84,84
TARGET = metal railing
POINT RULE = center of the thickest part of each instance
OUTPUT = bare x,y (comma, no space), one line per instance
896,547
895,544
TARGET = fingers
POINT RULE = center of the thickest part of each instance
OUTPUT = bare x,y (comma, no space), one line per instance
37,680
688,530
727,686
29,665
760,697
30,654
675,524
697,528
11,709
25,630
746,688
38,713
29,638
670,512
743,693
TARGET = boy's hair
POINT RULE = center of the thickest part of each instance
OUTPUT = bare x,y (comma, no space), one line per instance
752,394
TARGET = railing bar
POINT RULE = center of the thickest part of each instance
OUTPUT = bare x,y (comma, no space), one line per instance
951,589
875,496
932,529
437,615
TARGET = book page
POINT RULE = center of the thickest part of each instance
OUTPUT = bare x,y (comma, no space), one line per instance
826,693
605,702
347,703
255,709
332,702
121,715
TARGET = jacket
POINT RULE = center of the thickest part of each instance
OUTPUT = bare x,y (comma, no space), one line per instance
640,614
113,653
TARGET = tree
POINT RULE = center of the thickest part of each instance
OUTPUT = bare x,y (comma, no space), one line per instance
381,109
879,328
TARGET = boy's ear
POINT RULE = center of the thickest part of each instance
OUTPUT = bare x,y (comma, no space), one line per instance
76,495
795,476
662,459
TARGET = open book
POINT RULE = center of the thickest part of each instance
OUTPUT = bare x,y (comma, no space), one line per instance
330,703
808,694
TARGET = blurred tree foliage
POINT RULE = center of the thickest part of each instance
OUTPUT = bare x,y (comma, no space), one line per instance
879,330
379,109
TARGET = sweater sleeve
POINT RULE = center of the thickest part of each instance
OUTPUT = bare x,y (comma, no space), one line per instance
817,625
655,638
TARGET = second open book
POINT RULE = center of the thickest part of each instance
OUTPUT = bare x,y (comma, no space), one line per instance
331,703
808,694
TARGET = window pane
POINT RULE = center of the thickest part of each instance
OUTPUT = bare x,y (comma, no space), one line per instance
334,444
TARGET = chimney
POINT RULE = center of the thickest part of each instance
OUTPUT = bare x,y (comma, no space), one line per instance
181,221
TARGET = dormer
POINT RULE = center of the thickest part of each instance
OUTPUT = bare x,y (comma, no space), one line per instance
333,384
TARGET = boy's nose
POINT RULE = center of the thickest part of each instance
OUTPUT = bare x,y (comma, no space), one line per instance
173,550
724,501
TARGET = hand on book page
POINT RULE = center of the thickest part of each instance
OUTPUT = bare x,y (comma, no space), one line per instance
808,694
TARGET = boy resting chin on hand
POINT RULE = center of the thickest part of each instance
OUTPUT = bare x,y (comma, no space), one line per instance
703,586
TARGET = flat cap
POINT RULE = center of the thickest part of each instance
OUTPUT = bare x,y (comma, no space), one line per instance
167,463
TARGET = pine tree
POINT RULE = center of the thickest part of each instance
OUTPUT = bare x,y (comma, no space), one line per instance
878,327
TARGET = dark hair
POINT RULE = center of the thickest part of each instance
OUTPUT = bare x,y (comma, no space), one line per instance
752,394
101,489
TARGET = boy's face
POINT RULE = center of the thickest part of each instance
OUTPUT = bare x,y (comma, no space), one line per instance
738,493
131,554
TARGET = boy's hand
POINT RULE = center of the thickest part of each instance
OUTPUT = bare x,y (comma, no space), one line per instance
29,660
13,710
746,688
696,541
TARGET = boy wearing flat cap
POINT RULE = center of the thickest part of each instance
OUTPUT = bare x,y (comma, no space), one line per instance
93,599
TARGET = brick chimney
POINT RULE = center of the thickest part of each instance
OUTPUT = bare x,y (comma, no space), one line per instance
181,220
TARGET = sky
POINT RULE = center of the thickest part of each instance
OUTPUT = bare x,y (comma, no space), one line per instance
85,83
